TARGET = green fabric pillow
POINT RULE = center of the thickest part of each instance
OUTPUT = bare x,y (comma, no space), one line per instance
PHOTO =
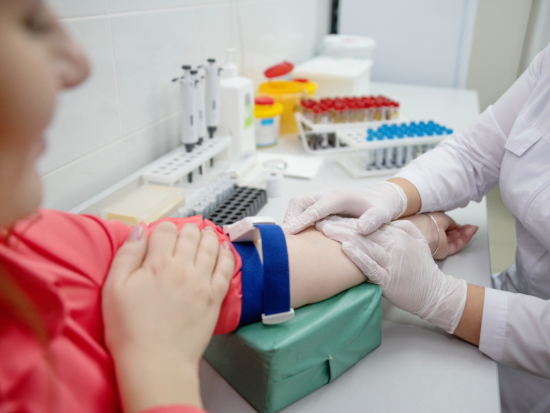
274,366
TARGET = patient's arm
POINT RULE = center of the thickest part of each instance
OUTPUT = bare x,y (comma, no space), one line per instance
319,269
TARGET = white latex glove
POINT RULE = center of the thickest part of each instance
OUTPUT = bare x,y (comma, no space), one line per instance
397,258
376,206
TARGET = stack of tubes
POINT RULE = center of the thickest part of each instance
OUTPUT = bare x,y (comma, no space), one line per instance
396,157
345,110
349,109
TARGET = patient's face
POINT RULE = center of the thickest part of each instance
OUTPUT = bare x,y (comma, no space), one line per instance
37,60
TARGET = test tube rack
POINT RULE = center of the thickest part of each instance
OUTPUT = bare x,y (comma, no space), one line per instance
178,163
355,159
308,129
244,202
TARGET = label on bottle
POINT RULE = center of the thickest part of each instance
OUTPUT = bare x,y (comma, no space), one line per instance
248,111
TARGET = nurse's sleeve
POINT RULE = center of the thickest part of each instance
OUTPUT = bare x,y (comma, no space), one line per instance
466,166
516,331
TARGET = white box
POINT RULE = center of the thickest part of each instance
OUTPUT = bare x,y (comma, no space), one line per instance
340,45
336,76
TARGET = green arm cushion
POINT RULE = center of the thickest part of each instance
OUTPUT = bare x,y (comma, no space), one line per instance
272,366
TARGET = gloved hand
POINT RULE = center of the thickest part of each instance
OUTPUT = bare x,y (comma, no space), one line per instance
378,205
397,258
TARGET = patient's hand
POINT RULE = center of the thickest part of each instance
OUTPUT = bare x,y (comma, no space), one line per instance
453,236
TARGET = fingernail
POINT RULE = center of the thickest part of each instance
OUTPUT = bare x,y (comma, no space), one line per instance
208,229
226,245
135,233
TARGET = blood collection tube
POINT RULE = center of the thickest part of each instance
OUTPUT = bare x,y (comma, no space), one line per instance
370,153
308,110
300,106
353,116
377,110
361,106
379,152
324,119
399,152
388,160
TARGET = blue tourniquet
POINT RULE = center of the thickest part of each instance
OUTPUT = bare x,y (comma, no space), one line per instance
266,289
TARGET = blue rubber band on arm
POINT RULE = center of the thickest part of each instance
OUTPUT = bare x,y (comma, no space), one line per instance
252,280
276,273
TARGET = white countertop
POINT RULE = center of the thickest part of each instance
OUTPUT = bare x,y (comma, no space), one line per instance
418,367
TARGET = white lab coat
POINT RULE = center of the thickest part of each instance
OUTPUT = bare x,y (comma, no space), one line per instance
508,143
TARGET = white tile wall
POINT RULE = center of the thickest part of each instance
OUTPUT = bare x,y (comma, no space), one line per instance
78,8
126,114
116,6
77,181
87,117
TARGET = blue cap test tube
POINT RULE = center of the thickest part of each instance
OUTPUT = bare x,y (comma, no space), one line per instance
389,151
379,151
370,153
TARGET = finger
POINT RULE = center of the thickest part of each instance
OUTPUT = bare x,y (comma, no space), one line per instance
451,225
339,231
373,219
305,219
223,272
128,258
297,205
368,266
161,244
316,206
383,237
334,222
409,228
207,253
187,244
460,238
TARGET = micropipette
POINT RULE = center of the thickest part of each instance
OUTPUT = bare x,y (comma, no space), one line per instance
212,92
198,109
189,119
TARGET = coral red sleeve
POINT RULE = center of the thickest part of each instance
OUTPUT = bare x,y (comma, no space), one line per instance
174,409
230,312
90,243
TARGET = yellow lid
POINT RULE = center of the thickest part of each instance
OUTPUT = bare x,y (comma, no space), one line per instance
268,111
281,87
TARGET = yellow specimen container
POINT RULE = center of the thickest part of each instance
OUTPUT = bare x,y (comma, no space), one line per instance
287,93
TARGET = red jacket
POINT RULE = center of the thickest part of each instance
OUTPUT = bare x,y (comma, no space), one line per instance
61,261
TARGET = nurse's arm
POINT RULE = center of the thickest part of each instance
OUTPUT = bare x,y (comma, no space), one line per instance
469,327
414,202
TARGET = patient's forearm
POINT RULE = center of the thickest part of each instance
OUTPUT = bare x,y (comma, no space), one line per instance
318,268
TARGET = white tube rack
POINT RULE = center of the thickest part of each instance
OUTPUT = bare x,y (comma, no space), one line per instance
352,158
177,164
307,127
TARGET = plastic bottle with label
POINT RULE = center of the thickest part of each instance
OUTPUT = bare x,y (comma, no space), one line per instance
237,110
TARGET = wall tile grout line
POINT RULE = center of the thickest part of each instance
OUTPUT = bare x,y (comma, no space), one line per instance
119,140
146,11
117,92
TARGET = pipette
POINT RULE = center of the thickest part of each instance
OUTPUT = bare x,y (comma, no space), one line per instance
212,93
198,109
212,98
188,116
201,121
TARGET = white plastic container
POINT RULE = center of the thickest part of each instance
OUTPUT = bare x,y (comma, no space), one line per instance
336,76
268,119
341,45
237,110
